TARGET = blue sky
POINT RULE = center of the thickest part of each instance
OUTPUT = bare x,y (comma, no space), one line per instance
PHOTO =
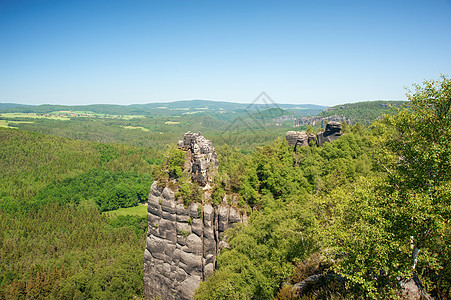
124,52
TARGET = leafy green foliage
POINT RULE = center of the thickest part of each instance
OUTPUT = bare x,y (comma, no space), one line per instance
31,161
393,227
262,254
175,159
188,191
110,190
286,228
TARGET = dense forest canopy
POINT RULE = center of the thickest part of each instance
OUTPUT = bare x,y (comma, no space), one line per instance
367,210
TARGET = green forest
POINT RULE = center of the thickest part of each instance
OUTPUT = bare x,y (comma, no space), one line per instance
364,212
363,112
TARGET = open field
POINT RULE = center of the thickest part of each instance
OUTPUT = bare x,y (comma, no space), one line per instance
135,127
140,210
33,116
6,123
67,115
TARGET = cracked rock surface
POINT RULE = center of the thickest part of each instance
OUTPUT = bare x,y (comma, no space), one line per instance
182,243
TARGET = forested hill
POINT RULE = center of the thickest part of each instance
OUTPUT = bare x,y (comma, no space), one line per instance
30,161
363,112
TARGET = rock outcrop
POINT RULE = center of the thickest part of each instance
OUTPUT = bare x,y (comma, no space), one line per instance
183,242
332,133
202,158
302,138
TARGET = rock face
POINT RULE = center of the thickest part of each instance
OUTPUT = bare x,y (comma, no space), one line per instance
332,133
302,138
202,158
299,138
182,243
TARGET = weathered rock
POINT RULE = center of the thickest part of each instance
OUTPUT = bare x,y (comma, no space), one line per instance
182,245
194,244
332,133
194,210
203,158
291,137
153,220
168,194
191,263
181,210
234,216
208,269
187,287
155,190
208,212
183,228
300,138
223,212
196,226
412,289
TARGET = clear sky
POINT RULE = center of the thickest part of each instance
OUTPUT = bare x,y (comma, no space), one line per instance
124,52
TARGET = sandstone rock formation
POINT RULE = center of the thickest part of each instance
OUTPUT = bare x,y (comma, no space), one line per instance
332,133
302,138
183,242
202,158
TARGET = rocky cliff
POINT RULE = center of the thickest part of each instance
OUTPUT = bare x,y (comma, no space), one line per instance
183,242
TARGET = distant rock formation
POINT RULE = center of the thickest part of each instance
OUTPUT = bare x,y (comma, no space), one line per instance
302,138
203,160
320,121
183,242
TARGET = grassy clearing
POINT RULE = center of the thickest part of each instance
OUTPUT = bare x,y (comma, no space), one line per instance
171,123
66,115
135,127
6,123
140,210
3,123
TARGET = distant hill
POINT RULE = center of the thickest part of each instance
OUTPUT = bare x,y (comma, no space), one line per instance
163,108
363,112
9,105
